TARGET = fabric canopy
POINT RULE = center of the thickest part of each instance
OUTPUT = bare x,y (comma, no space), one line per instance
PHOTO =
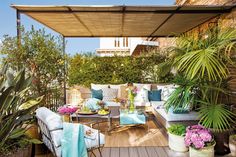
121,21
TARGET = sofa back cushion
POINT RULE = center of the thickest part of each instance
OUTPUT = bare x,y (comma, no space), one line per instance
109,94
154,95
98,86
98,94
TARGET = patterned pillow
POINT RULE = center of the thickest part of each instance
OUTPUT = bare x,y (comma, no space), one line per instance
109,94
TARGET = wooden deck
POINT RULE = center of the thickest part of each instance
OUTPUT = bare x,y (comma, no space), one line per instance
142,152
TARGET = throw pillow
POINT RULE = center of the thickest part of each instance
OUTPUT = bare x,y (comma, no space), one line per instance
142,96
118,87
154,95
97,94
109,94
123,92
91,103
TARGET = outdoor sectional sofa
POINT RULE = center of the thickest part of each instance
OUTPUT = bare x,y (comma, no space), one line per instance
157,107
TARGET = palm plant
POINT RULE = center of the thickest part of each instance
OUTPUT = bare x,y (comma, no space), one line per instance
206,60
16,108
183,97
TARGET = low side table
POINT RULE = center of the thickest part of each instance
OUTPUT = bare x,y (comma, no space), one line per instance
133,118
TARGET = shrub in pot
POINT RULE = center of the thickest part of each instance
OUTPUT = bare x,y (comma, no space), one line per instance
176,137
200,141
16,110
232,144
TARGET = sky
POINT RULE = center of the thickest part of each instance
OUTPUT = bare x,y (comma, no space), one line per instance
75,45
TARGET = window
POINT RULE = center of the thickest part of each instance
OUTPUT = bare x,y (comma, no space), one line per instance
125,42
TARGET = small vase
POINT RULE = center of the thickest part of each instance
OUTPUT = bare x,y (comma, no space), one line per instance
204,152
66,118
131,105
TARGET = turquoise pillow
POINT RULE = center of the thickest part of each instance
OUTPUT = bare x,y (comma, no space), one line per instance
154,95
91,103
97,94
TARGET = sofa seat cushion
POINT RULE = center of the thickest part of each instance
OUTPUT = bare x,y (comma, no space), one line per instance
171,117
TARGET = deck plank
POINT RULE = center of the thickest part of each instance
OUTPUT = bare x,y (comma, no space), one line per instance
124,152
151,152
115,152
161,152
142,151
133,152
106,152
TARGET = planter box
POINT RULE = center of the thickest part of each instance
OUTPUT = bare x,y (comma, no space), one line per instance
176,143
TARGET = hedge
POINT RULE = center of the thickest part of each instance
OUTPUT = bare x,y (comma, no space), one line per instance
87,69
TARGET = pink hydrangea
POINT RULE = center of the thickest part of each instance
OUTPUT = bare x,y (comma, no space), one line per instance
67,109
197,136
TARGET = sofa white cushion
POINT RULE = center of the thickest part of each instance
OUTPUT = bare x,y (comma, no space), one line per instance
171,117
142,96
109,94
166,91
140,86
98,86
118,87
53,121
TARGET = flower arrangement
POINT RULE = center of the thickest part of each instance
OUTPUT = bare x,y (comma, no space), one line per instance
101,104
132,90
198,137
67,110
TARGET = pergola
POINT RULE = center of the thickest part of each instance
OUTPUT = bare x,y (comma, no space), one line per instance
119,21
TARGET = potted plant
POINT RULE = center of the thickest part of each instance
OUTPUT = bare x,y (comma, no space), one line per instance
200,141
16,108
232,144
206,58
176,135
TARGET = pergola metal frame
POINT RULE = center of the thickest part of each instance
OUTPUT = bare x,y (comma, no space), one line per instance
123,10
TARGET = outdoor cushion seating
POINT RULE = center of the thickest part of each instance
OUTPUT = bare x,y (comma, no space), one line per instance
51,127
166,119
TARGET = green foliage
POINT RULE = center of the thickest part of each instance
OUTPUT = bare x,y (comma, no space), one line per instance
40,54
207,57
16,108
204,60
183,96
85,70
177,129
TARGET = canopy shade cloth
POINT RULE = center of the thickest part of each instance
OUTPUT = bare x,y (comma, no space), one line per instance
121,21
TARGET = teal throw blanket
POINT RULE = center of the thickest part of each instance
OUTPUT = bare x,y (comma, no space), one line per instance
73,144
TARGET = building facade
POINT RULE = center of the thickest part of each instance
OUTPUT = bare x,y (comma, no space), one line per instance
124,46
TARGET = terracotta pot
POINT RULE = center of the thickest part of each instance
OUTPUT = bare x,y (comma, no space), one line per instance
232,144
176,143
21,152
204,152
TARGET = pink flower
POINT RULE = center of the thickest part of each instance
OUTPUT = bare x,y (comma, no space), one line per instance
197,136
67,109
